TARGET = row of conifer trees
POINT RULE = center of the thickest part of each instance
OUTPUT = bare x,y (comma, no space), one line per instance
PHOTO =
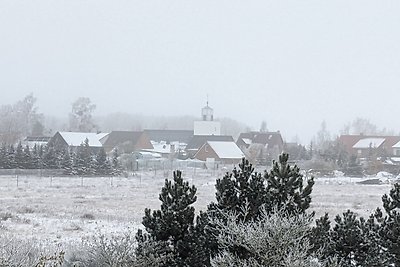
80,161
175,236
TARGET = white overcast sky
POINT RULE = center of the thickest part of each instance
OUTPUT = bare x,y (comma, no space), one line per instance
290,63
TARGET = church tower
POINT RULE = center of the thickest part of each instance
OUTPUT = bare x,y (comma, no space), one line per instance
207,113
207,125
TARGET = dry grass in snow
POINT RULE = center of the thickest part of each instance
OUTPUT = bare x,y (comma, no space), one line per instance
69,209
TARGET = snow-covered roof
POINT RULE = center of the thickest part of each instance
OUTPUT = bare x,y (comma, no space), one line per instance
102,135
369,142
76,138
247,141
226,150
158,148
147,154
397,145
164,148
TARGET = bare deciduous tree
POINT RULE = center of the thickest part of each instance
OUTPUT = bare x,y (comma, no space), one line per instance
19,120
80,118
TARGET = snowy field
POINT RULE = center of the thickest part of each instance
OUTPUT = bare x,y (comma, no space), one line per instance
69,209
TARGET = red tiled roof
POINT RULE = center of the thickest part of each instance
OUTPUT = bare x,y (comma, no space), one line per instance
348,141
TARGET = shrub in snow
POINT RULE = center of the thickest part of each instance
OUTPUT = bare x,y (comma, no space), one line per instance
104,250
28,252
276,238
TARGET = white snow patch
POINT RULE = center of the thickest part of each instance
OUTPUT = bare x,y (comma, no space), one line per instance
226,150
397,145
247,141
76,139
369,142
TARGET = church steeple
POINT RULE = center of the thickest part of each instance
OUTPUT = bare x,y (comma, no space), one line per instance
207,125
207,113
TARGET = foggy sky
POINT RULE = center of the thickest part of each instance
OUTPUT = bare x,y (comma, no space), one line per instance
290,63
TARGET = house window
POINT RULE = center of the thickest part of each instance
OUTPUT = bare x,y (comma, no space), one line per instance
359,151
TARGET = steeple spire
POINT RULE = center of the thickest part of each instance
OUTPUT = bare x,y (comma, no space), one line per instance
207,112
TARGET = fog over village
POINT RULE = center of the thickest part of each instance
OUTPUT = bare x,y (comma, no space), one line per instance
212,133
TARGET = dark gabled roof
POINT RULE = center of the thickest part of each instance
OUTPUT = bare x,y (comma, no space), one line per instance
198,140
37,139
116,138
270,138
182,136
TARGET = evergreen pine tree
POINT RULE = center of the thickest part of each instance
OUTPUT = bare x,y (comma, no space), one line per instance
92,165
374,253
83,159
116,166
35,157
354,241
320,236
19,157
3,157
66,163
280,188
40,157
73,157
173,225
102,166
27,158
348,238
390,224
241,187
49,158
12,164
285,187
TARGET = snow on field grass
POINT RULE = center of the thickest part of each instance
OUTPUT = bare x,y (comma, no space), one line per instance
69,209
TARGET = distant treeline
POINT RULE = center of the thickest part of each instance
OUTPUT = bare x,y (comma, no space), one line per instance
80,161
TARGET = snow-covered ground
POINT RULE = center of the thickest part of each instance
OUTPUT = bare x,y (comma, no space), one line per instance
68,209
338,194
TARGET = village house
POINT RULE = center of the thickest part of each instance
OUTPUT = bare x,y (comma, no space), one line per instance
271,140
168,136
126,141
261,146
169,143
220,152
364,146
31,141
198,141
166,150
72,140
